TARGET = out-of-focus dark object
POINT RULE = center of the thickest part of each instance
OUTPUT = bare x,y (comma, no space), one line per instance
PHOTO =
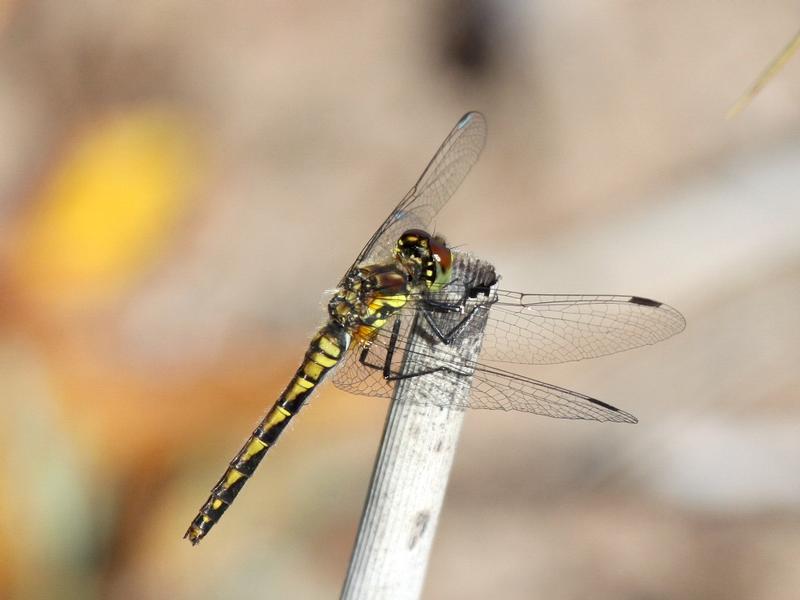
468,35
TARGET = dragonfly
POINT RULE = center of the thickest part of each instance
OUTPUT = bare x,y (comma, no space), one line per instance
406,278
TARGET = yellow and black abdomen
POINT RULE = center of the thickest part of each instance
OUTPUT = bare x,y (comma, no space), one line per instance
324,352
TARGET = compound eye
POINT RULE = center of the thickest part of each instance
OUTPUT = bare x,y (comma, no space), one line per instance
442,262
441,253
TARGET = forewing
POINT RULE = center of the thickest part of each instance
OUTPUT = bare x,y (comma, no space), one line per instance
440,179
546,329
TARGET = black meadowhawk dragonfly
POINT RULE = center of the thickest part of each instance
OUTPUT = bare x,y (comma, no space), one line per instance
403,278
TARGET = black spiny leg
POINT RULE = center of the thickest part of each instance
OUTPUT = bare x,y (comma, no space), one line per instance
430,306
364,356
470,291
387,364
448,337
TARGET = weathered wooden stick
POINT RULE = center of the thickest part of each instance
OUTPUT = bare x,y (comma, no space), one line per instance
394,540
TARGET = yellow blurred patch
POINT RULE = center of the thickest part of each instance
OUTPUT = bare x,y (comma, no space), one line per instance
108,207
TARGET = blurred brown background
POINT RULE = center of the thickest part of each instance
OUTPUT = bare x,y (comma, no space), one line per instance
179,182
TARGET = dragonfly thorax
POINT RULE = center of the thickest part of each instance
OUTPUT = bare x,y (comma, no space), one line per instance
369,295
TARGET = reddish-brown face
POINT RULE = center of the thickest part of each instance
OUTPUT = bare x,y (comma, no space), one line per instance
426,257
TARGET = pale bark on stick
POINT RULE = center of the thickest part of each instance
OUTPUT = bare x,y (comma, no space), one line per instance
410,477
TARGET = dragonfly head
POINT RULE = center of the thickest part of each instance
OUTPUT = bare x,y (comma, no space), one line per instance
426,258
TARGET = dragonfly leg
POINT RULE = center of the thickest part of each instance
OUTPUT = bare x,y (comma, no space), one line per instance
386,367
472,291
482,285
449,336
458,305
364,357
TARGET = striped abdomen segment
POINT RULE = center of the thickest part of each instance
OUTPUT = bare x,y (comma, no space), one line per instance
324,353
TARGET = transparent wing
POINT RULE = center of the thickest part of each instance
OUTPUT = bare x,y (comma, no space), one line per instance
544,329
555,328
365,368
440,179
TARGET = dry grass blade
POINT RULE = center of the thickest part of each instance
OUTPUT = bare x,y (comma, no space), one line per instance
765,77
